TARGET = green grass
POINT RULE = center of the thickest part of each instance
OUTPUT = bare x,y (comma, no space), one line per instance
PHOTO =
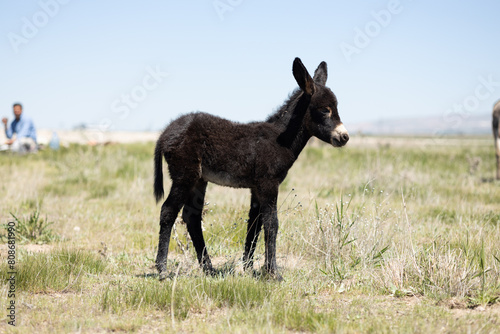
381,237
61,270
191,295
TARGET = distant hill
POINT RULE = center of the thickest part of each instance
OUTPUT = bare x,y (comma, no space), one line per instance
443,125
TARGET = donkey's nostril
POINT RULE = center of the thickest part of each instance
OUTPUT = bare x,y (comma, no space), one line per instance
345,137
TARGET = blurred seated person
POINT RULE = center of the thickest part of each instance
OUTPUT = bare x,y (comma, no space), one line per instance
24,129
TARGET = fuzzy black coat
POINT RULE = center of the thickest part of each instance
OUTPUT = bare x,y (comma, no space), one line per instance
201,148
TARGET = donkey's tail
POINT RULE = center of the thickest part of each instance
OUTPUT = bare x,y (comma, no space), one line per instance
158,172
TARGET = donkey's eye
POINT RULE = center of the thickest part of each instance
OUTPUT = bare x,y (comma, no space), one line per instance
326,111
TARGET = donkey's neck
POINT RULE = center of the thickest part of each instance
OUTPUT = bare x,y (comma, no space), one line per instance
300,141
294,135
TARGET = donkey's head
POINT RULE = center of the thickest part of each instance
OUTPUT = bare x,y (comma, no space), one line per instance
322,119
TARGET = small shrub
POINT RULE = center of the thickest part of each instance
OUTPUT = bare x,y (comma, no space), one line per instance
33,229
339,242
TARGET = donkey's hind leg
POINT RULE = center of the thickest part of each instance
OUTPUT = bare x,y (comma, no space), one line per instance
253,229
169,211
191,214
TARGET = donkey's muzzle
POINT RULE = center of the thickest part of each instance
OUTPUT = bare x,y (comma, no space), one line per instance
340,136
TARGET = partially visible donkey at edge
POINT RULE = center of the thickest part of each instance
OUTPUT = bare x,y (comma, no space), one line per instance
496,135
201,148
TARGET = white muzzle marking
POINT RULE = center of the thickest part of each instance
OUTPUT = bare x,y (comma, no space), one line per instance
338,132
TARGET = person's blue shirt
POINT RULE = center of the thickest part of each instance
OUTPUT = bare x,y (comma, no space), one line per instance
24,128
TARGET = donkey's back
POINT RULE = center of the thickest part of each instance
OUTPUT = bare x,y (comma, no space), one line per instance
200,145
209,130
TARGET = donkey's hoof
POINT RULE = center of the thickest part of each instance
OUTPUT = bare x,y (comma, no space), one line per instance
248,266
276,277
162,276
270,276
210,271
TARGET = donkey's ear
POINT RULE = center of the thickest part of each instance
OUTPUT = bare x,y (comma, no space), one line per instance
321,74
302,77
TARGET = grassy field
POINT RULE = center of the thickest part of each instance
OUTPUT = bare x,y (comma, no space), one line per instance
387,235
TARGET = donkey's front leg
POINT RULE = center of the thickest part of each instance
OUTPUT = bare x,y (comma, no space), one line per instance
270,221
253,231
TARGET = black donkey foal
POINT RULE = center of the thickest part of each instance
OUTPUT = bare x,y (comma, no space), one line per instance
201,148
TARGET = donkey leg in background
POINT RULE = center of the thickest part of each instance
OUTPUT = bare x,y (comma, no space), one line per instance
253,230
269,216
496,135
497,153
192,214
169,211
496,138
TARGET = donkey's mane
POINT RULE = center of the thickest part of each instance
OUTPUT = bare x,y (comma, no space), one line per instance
284,113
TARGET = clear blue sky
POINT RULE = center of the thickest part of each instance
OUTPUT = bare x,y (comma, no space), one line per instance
91,61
